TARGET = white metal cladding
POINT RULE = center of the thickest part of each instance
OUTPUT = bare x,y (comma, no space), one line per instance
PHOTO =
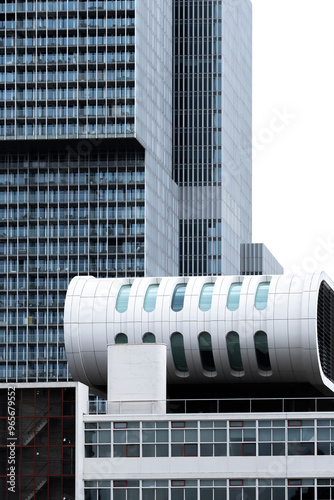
289,320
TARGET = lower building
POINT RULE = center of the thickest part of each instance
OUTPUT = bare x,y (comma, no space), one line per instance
216,388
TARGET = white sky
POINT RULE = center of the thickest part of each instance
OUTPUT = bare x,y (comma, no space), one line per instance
293,159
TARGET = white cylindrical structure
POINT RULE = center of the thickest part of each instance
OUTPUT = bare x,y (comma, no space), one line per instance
249,329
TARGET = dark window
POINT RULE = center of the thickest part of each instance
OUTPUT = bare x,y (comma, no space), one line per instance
178,353
262,351
205,349
233,351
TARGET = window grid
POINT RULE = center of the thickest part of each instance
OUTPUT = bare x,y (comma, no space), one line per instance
209,438
49,65
206,489
57,220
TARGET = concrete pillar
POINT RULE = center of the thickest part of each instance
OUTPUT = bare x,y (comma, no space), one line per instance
137,378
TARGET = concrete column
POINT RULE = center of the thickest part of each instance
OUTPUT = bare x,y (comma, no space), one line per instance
137,378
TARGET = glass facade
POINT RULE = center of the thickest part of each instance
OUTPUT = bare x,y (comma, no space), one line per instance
60,217
212,132
67,69
85,166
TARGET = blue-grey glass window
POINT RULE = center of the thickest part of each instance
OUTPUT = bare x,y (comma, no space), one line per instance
205,299
178,297
123,298
150,298
149,338
233,297
261,297
233,351
178,353
262,351
121,338
205,349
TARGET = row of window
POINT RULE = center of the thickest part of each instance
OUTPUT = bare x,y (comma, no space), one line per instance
81,265
58,213
63,129
65,41
21,353
32,94
63,230
46,370
70,178
71,22
82,57
61,5
211,489
209,438
53,248
67,76
55,195
62,111
24,334
205,299
71,157
206,353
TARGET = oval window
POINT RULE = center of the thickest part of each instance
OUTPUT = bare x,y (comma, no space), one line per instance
205,349
123,298
262,351
205,299
151,298
233,351
233,297
178,297
121,338
261,297
149,338
178,353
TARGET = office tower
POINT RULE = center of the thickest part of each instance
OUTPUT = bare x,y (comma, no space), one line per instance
85,164
213,132
87,183
240,399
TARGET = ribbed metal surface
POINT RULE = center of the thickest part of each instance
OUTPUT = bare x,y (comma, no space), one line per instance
325,329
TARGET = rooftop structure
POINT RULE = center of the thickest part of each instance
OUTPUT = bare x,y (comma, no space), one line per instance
264,432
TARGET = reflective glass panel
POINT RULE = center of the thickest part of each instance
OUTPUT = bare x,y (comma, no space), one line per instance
233,297
206,297
178,297
150,298
123,298
261,297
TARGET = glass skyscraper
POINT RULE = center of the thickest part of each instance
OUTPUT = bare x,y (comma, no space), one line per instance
85,162
90,182
213,132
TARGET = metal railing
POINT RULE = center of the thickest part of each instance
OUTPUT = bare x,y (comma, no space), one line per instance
240,405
